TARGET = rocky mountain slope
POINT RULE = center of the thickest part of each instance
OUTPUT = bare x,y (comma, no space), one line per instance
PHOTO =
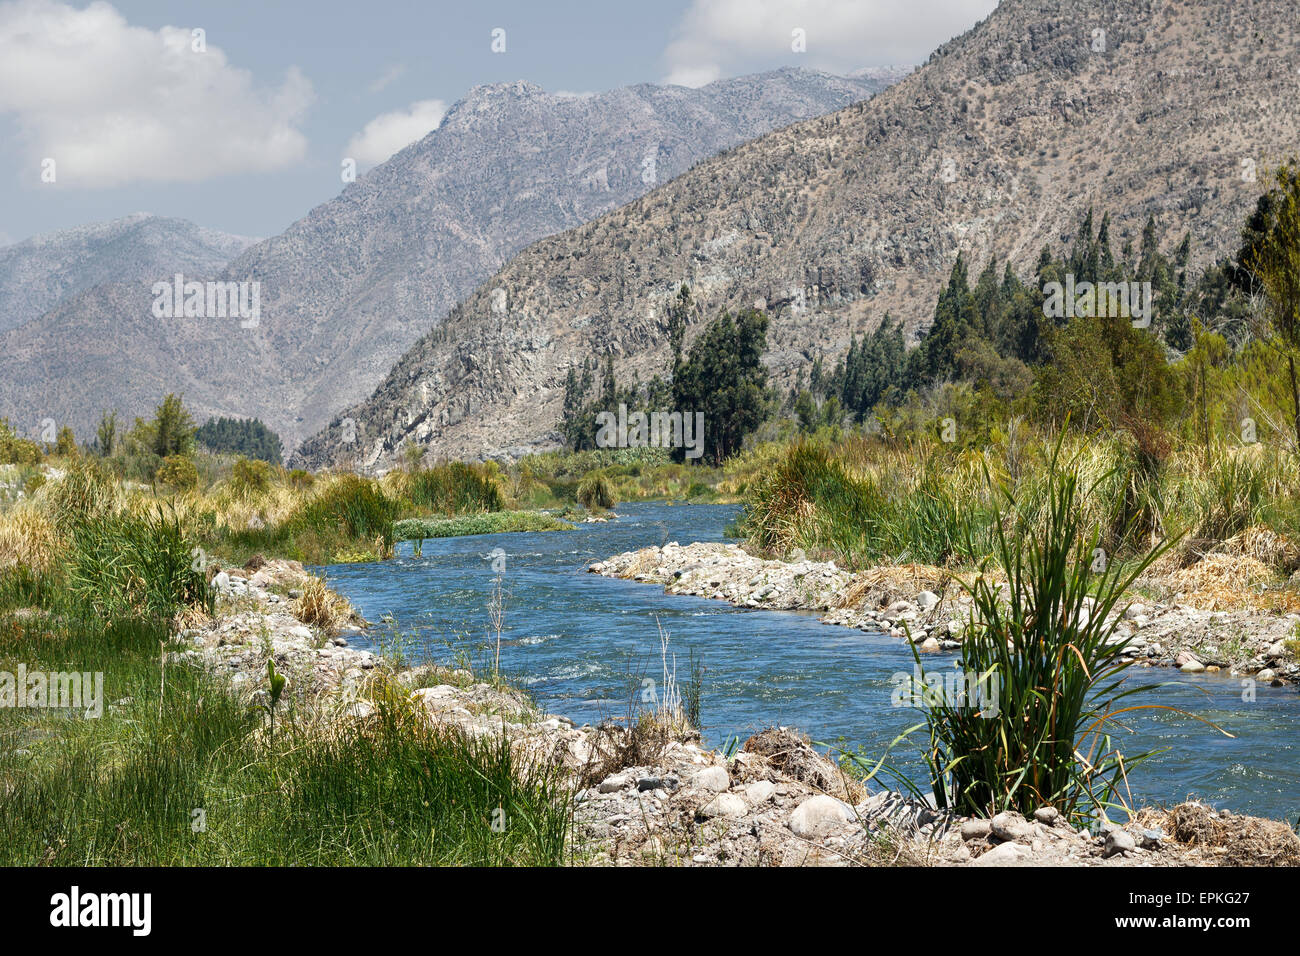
350,287
994,148
38,274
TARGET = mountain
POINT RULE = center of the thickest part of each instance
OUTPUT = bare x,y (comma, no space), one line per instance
345,291
38,274
995,147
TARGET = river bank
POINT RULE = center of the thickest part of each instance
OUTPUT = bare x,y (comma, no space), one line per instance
929,606
655,796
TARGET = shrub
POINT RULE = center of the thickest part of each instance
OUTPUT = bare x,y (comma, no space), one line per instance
456,488
596,491
250,477
179,472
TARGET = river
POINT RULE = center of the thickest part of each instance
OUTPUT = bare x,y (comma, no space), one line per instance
582,644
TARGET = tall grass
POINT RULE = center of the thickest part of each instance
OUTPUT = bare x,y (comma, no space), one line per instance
456,488
126,565
124,789
1044,637
815,501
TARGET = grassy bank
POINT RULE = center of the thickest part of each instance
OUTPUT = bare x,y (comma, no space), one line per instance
866,501
181,770
492,522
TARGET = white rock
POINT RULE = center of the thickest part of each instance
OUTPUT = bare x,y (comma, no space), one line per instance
1004,854
725,805
760,792
819,816
926,600
712,778
614,782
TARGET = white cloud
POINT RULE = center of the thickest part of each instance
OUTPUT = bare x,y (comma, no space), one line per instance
114,104
386,134
719,38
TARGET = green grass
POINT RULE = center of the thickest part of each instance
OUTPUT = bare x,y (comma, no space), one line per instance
1044,740
455,488
493,522
810,500
123,789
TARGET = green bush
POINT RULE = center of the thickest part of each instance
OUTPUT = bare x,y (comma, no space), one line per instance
250,477
125,566
456,488
179,472
596,491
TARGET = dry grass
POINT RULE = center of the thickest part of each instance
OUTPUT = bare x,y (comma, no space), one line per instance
881,586
27,537
792,754
1265,546
1238,840
320,607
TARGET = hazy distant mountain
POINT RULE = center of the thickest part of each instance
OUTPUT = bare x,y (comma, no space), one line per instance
347,289
995,147
38,274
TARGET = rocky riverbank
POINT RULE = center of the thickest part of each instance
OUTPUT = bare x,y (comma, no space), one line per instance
930,607
652,795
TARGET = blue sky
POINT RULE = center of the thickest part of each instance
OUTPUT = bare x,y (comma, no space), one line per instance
243,127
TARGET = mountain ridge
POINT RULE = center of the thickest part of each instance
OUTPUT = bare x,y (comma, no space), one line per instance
349,287
995,147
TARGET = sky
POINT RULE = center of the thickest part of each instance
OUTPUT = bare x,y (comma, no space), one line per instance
238,114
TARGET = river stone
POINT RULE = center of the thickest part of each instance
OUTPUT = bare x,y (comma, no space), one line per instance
818,816
1267,674
1012,828
725,805
760,792
614,783
926,600
931,645
1047,815
1192,666
712,778
975,829
1004,854
1118,841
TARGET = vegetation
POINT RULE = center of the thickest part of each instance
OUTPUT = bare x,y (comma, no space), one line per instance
492,522
1038,630
249,438
185,774
722,377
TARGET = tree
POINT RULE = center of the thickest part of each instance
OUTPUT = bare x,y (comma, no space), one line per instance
724,377
172,430
65,445
106,434
1270,254
247,437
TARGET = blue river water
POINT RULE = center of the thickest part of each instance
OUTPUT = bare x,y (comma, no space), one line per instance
583,644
